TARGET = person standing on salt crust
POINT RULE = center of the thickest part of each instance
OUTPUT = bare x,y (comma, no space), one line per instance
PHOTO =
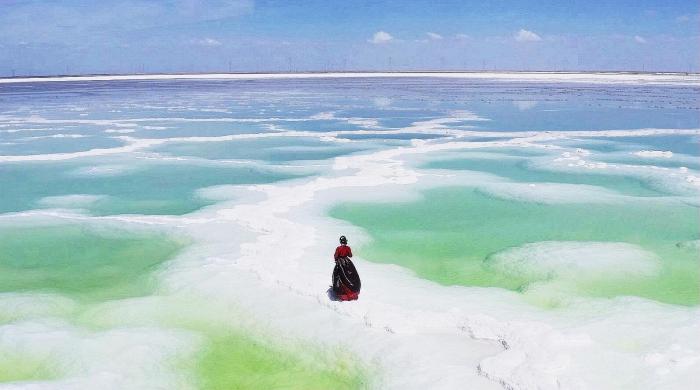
346,281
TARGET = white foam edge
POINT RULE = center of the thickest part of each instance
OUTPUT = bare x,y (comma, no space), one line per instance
649,156
678,181
138,144
73,201
109,226
104,170
575,260
58,135
120,165
654,153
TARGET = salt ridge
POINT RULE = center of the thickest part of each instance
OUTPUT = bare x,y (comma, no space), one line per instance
432,127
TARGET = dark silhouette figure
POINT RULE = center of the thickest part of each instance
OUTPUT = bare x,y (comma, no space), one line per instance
346,280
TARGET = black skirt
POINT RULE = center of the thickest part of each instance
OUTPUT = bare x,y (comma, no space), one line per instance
345,277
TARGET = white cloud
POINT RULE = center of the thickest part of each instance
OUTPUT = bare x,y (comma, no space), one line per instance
434,36
527,36
639,39
208,42
381,37
462,37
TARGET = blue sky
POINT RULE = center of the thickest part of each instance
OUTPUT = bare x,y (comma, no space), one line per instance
71,36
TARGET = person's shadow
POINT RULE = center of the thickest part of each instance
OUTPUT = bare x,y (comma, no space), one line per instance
331,294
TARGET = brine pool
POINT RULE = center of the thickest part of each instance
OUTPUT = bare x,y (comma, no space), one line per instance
510,234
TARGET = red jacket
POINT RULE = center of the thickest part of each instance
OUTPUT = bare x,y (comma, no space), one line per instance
342,251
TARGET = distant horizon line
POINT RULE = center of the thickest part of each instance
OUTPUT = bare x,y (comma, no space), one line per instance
663,77
356,71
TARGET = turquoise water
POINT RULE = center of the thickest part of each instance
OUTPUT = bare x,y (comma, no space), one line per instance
138,188
450,234
23,147
275,150
520,170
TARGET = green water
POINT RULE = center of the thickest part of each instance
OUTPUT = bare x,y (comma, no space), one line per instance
16,368
148,189
234,356
238,362
447,237
237,352
99,266
81,262
519,170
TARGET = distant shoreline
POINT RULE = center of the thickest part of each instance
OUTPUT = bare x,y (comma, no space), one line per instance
579,77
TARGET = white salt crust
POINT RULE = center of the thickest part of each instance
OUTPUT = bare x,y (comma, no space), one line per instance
418,333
